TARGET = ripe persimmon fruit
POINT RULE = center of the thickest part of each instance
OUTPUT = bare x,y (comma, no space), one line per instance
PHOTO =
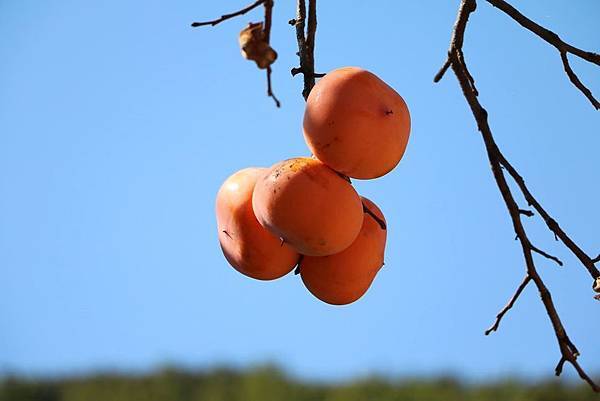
356,124
310,206
247,246
343,278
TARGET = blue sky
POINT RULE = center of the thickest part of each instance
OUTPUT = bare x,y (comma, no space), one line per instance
118,123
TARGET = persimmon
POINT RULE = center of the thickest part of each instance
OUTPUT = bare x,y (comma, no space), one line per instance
356,123
247,246
343,278
310,206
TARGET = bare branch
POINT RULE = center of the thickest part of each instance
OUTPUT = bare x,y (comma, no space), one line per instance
306,44
559,367
267,33
442,71
584,376
554,40
546,34
546,255
553,226
596,259
509,305
497,160
575,80
270,89
225,17
268,19
295,71
300,24
456,41
527,213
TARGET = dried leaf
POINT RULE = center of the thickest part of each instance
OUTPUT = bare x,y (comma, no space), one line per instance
255,47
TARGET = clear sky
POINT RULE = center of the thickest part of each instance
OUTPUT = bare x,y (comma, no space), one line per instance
119,122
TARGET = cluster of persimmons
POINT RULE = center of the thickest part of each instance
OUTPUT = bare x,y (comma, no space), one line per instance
304,211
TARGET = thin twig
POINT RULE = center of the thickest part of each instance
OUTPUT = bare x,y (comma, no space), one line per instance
527,213
295,71
300,24
267,34
546,34
268,19
576,81
554,40
456,59
225,17
457,39
553,226
509,305
270,88
442,71
545,254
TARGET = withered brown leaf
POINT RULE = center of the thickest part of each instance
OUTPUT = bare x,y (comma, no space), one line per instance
254,46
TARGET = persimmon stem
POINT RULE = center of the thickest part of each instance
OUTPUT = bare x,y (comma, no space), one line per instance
297,269
379,221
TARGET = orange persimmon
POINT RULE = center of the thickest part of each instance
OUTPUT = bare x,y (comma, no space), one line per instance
247,246
356,124
343,278
310,206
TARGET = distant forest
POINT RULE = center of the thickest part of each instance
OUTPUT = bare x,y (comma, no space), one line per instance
271,384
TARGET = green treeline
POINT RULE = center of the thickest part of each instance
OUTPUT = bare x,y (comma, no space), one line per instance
270,384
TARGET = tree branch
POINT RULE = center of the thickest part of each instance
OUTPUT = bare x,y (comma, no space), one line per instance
575,80
270,88
554,40
267,33
509,305
306,44
546,255
295,71
225,17
456,60
527,213
553,226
